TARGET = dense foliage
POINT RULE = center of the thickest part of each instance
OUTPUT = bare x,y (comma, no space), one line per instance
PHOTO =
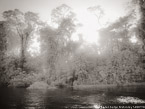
64,62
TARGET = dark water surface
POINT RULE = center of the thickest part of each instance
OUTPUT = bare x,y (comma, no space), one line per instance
128,97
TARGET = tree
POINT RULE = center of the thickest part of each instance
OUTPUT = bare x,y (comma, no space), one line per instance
61,12
3,48
97,11
142,22
23,24
57,41
58,45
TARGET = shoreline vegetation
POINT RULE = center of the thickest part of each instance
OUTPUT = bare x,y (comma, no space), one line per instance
45,86
80,87
108,85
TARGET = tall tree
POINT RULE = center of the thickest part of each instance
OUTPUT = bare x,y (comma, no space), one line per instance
3,47
65,18
142,22
98,12
58,40
61,12
23,24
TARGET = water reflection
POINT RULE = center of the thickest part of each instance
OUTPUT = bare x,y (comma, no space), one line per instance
97,106
92,98
133,100
35,98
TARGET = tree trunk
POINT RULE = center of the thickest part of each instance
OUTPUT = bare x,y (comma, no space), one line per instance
23,58
142,23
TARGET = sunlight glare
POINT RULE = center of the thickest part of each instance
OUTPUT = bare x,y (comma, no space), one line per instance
89,28
75,37
97,106
133,39
34,48
134,100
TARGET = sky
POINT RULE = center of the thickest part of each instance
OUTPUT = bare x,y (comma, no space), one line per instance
113,9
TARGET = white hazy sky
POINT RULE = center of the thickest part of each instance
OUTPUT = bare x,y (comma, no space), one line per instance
113,8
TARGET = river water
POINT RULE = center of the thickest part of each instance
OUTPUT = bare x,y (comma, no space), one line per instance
128,97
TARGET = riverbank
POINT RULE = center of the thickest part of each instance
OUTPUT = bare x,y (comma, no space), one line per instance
108,85
42,85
